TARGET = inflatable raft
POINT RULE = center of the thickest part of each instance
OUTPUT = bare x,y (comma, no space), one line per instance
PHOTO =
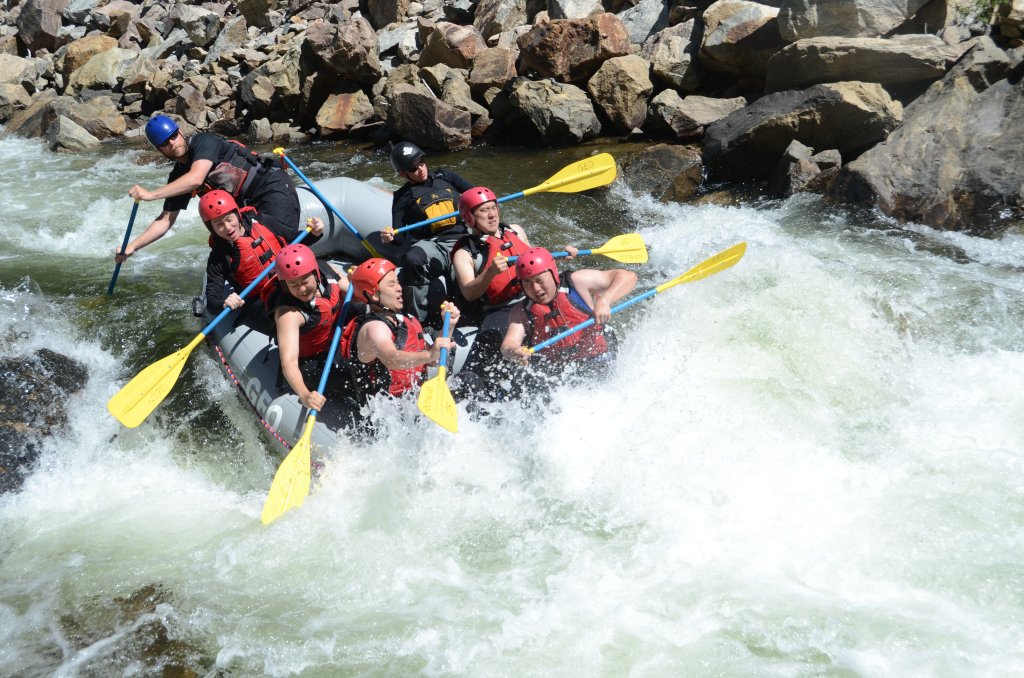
249,357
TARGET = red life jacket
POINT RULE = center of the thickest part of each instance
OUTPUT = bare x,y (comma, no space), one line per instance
375,377
252,252
320,314
504,287
567,310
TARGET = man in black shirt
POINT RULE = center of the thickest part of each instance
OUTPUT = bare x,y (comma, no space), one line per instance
206,161
426,258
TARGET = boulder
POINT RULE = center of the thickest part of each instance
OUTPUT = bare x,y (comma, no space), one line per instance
201,25
13,97
108,70
681,118
497,16
673,56
99,115
621,88
493,67
801,169
257,12
851,117
349,49
39,24
574,9
430,121
341,112
32,120
667,172
572,50
274,90
452,45
799,19
739,37
80,51
559,114
384,12
644,19
956,162
896,61
33,394
64,134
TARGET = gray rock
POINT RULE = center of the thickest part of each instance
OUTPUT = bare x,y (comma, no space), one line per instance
497,16
572,50
431,122
669,173
800,19
65,135
739,37
621,88
644,19
559,113
673,56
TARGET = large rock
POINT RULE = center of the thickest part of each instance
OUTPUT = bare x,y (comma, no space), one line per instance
644,19
897,61
13,97
493,67
39,24
452,45
667,172
571,50
108,70
384,12
99,115
671,115
33,394
497,16
16,70
673,56
799,19
63,134
274,90
848,116
201,25
431,122
621,88
956,162
558,113
349,49
341,112
739,37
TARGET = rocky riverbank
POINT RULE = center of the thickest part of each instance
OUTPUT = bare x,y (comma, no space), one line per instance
914,107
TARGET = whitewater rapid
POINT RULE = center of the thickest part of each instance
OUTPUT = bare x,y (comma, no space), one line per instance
808,464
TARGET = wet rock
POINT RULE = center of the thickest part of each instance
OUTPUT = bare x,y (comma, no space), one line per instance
851,117
667,172
33,394
956,162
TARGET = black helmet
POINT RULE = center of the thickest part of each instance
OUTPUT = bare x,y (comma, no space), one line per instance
405,156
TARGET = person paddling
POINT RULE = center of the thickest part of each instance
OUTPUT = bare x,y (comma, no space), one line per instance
208,161
557,302
305,306
427,251
241,246
385,350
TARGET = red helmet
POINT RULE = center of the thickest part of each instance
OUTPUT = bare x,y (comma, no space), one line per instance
536,260
472,199
214,204
368,275
295,261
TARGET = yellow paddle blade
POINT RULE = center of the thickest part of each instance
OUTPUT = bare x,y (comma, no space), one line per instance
719,262
583,175
436,402
291,482
628,248
140,396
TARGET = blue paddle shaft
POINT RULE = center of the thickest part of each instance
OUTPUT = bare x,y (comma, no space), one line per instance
558,255
251,286
318,194
590,321
334,345
443,362
427,222
124,246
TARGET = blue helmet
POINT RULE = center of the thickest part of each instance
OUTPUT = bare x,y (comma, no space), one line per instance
159,129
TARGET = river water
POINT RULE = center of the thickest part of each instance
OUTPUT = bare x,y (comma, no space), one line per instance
809,464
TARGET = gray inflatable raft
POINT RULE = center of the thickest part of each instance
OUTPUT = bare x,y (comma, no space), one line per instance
249,357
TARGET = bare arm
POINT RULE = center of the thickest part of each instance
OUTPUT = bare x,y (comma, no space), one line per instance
512,348
186,183
604,288
154,232
376,343
288,322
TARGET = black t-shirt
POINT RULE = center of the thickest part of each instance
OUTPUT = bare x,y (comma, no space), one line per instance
404,210
202,146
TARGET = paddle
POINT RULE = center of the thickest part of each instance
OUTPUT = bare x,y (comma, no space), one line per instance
721,261
140,396
291,482
124,245
435,399
582,175
628,248
369,248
